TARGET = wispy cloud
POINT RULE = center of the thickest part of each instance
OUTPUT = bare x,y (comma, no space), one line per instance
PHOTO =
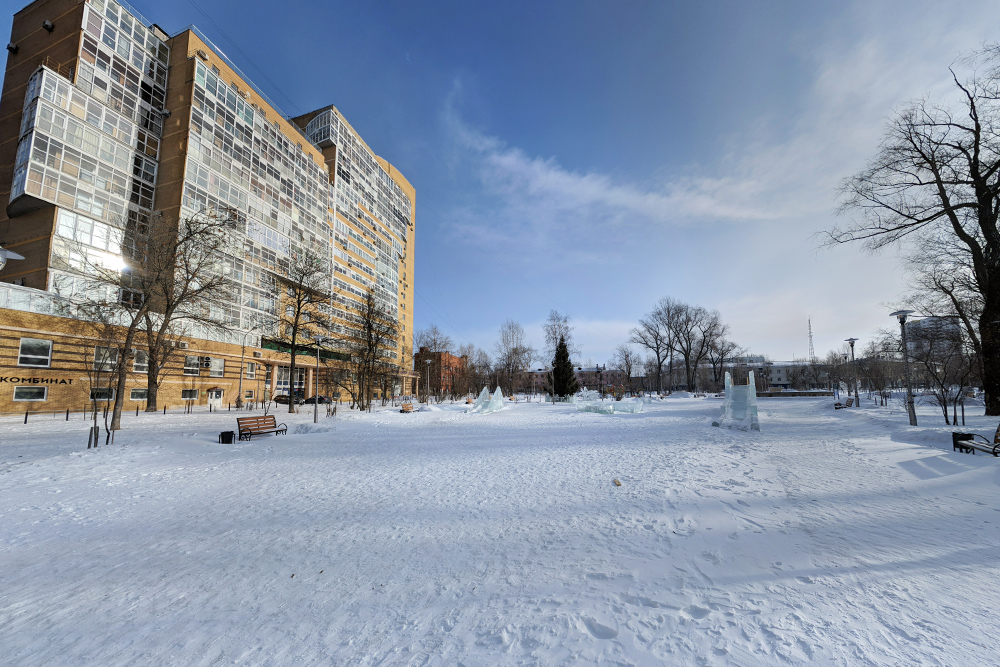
762,197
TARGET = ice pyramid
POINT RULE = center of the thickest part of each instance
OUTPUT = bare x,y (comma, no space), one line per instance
495,404
481,400
739,409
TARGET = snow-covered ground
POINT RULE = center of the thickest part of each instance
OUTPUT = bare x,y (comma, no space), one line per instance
834,537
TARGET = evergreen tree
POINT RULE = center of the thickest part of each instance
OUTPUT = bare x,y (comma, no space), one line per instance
562,380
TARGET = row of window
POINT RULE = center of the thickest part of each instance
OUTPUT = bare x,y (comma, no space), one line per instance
25,394
37,353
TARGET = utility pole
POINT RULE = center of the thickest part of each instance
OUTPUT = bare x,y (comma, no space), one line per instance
910,409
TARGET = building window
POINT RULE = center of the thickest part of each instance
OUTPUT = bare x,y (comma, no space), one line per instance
105,358
189,394
30,393
251,370
140,362
217,368
102,394
191,365
35,352
139,394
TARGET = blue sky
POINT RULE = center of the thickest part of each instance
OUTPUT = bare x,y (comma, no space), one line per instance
592,157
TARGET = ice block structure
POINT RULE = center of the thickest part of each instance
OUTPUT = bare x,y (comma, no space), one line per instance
495,404
739,408
481,400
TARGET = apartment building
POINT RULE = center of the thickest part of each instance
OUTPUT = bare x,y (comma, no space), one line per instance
107,121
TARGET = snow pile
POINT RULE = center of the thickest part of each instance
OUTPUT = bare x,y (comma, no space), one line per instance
312,428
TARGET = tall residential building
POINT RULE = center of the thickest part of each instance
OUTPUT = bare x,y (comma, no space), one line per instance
105,121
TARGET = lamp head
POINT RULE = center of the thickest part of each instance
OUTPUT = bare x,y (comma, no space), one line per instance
901,315
8,254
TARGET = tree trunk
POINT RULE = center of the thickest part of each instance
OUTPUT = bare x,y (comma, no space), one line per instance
116,415
991,359
152,386
152,389
291,380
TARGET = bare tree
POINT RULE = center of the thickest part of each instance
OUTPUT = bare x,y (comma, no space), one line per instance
939,347
371,341
555,327
185,279
876,363
305,285
625,359
937,173
720,351
695,330
433,339
514,355
655,334
105,367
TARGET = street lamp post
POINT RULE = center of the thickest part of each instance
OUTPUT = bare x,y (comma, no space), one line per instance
243,350
427,389
910,409
319,341
854,364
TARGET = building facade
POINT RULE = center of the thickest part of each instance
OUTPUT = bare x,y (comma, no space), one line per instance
438,370
106,122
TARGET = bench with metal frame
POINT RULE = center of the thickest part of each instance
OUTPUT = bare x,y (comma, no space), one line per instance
407,407
259,425
850,402
966,443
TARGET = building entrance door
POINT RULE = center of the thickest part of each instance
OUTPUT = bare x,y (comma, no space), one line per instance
215,398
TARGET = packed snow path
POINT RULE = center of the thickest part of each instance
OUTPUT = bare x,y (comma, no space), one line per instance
443,538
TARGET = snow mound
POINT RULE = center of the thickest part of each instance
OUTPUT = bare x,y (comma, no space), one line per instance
301,429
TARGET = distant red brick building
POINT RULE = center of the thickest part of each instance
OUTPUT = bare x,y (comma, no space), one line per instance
442,370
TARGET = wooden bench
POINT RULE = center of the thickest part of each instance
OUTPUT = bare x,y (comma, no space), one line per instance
965,443
850,402
407,407
251,426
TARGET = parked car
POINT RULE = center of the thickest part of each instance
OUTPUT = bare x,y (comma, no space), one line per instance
314,399
283,399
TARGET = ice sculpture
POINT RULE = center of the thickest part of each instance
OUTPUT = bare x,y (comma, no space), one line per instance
495,404
632,407
484,396
739,409
610,407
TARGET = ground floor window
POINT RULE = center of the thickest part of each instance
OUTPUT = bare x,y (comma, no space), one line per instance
189,394
102,394
30,393
139,394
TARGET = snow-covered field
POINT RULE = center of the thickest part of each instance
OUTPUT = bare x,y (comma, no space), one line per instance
444,538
